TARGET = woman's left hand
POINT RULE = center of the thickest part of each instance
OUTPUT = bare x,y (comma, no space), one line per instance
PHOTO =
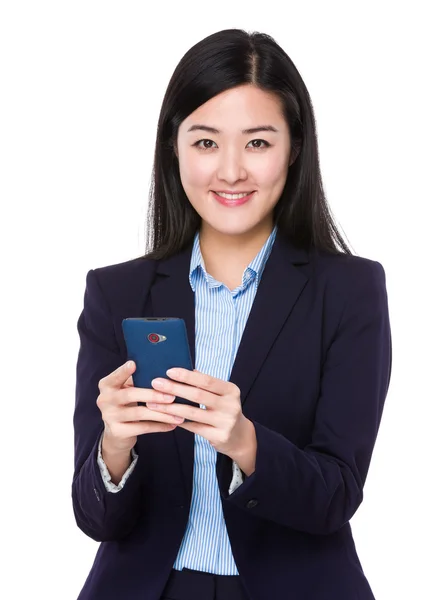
222,422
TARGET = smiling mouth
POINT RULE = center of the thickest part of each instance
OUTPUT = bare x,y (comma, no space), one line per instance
235,200
234,196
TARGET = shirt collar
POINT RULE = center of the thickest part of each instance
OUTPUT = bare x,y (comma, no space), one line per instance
253,271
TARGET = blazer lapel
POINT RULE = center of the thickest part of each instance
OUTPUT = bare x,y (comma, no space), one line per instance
279,289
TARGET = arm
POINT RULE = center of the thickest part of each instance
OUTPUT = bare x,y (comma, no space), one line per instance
99,513
319,488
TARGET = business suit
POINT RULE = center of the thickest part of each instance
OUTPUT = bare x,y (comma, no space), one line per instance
313,368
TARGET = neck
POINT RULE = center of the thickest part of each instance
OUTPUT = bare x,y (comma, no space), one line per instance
226,256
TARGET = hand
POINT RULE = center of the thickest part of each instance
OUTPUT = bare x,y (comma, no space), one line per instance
222,422
123,419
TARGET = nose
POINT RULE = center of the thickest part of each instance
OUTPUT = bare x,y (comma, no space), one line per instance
231,166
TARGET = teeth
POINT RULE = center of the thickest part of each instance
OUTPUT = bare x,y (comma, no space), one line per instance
232,196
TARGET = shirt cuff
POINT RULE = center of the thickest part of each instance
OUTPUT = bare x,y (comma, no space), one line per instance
111,487
237,477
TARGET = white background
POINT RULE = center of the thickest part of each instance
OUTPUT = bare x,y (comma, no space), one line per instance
81,88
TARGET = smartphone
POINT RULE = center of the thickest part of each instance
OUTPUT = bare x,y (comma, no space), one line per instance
157,344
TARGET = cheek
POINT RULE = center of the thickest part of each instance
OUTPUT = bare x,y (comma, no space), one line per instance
271,172
194,172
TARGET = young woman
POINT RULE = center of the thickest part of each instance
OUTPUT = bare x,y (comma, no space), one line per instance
290,337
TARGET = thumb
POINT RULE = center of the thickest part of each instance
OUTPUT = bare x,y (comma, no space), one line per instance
119,377
129,382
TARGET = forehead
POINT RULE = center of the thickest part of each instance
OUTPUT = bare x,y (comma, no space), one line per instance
237,109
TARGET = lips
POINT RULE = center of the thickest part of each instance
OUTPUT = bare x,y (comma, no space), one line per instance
234,202
232,193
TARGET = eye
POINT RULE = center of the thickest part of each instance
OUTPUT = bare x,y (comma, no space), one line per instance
267,145
204,147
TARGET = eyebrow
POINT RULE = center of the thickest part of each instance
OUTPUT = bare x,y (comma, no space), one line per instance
244,131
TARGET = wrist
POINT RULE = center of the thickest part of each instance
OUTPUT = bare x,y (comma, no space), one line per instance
117,460
111,449
245,454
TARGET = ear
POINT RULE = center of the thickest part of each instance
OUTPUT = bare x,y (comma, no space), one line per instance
294,155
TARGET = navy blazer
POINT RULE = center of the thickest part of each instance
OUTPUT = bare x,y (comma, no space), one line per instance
313,368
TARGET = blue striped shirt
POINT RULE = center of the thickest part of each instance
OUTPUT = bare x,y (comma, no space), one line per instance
220,319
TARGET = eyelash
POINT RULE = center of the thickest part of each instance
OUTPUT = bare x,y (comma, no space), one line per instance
267,144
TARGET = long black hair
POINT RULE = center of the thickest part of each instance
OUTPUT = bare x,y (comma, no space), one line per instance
219,62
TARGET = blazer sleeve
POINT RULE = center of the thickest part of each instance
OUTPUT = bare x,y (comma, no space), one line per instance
100,514
318,489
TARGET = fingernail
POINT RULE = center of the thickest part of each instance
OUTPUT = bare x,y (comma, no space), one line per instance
173,372
158,383
179,419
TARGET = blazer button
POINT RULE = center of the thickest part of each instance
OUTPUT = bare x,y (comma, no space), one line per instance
252,503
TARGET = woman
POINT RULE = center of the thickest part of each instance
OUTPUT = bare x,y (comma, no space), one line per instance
251,497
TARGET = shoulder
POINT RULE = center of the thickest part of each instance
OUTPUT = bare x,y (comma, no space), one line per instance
124,272
344,276
122,286
346,268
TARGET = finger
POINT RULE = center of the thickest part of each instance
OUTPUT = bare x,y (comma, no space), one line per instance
188,392
141,413
129,382
136,394
126,430
205,431
202,381
117,378
196,414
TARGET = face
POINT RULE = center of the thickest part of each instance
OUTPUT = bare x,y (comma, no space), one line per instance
230,160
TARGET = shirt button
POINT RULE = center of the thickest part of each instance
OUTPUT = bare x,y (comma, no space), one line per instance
252,503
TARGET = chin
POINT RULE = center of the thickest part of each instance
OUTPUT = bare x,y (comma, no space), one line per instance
233,226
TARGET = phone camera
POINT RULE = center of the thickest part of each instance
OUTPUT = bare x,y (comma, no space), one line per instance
153,337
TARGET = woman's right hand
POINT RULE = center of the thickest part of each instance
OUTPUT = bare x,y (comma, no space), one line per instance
123,419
